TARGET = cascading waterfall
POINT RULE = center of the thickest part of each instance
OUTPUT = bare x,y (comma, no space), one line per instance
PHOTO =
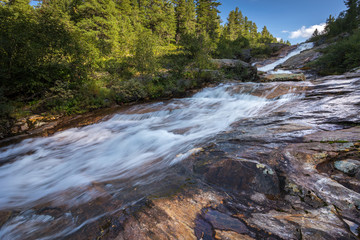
272,66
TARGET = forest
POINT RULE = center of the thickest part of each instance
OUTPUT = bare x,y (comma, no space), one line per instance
72,56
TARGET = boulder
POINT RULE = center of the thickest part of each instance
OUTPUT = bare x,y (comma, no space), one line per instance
229,63
349,166
283,77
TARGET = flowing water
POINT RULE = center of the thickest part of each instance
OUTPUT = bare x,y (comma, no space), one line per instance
131,150
272,66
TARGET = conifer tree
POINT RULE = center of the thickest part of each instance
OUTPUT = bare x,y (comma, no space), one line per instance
208,20
185,17
97,20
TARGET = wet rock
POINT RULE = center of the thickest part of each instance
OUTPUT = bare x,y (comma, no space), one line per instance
269,91
283,77
242,175
349,166
229,235
300,60
294,225
291,127
340,136
171,218
223,221
305,195
24,127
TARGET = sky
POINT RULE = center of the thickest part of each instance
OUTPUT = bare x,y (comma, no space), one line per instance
293,20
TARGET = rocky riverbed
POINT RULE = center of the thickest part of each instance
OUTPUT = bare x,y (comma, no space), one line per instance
287,168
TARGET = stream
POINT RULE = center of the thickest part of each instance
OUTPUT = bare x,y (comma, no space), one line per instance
48,184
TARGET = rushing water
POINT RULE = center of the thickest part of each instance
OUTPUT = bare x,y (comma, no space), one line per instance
133,143
151,135
271,67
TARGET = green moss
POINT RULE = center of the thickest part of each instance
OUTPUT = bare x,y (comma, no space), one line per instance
335,141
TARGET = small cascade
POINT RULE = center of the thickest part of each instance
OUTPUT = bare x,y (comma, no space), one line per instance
270,67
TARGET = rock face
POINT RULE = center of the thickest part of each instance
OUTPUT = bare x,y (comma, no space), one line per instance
300,60
273,184
239,175
283,77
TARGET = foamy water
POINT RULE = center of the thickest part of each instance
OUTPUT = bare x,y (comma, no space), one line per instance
272,66
133,142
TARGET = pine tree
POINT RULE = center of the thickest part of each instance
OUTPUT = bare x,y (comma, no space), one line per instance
316,33
351,17
265,35
185,18
97,20
159,18
208,20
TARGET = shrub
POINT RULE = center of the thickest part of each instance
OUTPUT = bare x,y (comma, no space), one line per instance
340,57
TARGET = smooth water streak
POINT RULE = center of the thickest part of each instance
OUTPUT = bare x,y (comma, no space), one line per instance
299,49
132,143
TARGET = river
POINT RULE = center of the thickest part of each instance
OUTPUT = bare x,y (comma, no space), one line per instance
135,148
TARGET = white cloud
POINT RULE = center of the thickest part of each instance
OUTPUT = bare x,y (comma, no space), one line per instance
278,39
304,32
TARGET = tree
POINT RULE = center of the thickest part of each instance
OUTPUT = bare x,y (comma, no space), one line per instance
98,22
316,33
159,17
38,48
185,18
208,20
266,37
352,17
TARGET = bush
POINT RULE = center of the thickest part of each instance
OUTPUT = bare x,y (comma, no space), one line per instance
339,57
231,49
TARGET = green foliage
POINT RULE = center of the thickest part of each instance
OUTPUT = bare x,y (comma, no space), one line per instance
231,48
240,33
38,48
71,56
344,54
340,57
185,18
144,57
208,20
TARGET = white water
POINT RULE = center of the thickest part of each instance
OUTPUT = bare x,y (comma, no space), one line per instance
272,66
131,143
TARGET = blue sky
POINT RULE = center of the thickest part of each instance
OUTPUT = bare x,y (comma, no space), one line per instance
288,19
